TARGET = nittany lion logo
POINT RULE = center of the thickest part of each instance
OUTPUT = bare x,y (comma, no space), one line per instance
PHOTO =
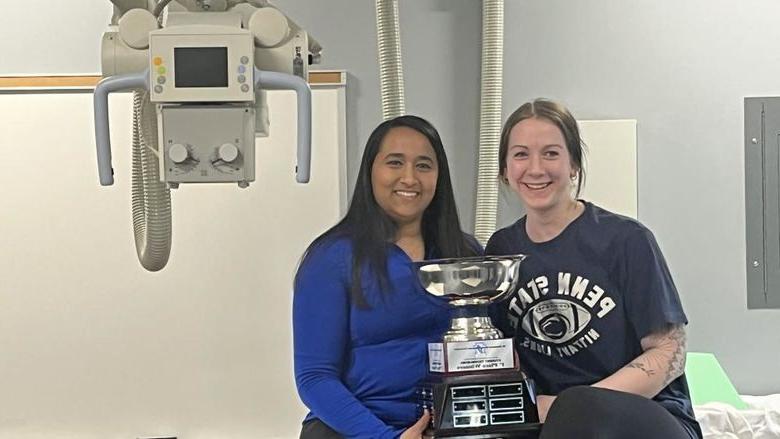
556,320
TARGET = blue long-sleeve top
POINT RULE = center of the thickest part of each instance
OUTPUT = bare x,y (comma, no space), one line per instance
357,369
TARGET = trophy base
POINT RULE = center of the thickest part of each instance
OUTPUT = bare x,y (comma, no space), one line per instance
485,405
531,432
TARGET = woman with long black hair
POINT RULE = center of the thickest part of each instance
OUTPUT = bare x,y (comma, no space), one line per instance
361,322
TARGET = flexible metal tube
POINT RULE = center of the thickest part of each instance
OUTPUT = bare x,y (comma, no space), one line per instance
158,8
151,198
391,72
489,118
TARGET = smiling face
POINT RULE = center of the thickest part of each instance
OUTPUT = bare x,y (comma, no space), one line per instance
539,167
404,175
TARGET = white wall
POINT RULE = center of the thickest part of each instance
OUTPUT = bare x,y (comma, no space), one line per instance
93,346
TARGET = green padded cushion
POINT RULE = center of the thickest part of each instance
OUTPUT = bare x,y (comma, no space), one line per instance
708,381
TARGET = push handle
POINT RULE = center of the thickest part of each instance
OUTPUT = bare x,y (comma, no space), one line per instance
102,131
276,80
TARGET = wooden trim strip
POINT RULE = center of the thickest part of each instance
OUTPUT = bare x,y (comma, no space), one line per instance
327,77
89,81
48,81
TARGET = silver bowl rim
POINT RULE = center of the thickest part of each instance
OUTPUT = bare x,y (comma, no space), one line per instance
516,257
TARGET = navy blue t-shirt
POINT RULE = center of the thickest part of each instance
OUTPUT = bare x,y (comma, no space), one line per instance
585,300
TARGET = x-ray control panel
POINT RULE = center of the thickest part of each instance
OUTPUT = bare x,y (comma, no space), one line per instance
192,64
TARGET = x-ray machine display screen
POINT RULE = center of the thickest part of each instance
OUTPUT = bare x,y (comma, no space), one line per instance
200,66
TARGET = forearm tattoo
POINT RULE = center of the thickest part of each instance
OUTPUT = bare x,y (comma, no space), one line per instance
677,363
641,366
665,350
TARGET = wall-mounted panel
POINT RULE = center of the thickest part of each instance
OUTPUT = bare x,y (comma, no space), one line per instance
762,201
611,164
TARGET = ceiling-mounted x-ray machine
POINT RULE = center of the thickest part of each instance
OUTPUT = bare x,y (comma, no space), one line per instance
198,69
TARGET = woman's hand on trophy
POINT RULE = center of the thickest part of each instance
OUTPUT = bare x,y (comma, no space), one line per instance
416,430
543,403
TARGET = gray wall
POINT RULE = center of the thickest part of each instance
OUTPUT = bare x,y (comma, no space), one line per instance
440,40
680,68
45,37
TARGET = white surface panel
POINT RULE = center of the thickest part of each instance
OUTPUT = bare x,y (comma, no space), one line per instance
92,345
611,168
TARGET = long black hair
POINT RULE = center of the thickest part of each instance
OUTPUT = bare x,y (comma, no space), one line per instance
371,230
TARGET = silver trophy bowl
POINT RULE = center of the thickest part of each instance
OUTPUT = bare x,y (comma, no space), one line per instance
471,283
